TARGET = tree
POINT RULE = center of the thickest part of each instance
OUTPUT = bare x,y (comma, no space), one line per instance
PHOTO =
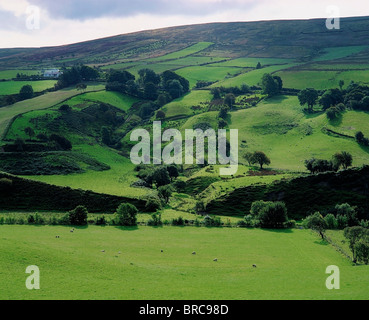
343,159
354,234
161,177
62,142
258,66
160,115
126,215
148,76
9,100
249,158
106,136
230,100
150,91
78,216
333,113
362,251
223,113
81,87
216,93
175,89
260,158
308,96
26,92
222,124
348,212
30,132
121,77
165,192
341,84
271,86
88,73
173,171
331,98
316,222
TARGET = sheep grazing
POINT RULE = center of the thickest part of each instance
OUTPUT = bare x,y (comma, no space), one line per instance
215,260
194,253
254,266
102,251
57,237
162,251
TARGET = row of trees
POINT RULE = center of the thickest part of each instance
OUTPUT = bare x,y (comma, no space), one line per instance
344,218
76,75
355,97
339,160
162,88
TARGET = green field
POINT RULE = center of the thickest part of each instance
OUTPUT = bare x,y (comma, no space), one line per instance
11,74
290,264
13,87
320,80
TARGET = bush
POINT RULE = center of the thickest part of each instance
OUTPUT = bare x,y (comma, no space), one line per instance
155,220
101,221
126,215
153,204
270,214
31,219
78,216
212,221
178,222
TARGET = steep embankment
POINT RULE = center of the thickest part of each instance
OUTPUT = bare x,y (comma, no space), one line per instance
21,194
302,195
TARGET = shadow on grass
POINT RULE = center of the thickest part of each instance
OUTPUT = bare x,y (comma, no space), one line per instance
322,242
135,228
336,122
285,231
364,148
276,99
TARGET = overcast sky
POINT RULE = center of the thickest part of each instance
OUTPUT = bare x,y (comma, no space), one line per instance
36,23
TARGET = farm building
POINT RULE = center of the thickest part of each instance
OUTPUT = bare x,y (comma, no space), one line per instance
52,73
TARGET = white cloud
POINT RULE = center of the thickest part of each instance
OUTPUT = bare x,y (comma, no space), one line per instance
65,31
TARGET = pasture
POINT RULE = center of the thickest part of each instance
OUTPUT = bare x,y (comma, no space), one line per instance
13,87
290,264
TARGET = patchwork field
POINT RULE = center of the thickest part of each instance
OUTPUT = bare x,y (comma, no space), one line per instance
290,265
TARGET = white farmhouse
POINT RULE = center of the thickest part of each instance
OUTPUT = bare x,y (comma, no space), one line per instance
52,73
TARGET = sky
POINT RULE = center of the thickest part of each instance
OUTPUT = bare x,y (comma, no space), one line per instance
39,23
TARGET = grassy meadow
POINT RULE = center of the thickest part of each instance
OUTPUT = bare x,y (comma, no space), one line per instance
290,264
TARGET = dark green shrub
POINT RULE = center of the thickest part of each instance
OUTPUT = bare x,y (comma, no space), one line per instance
101,221
31,219
153,204
126,215
178,222
78,216
155,220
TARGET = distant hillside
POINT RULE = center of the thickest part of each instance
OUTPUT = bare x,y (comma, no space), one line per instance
300,39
